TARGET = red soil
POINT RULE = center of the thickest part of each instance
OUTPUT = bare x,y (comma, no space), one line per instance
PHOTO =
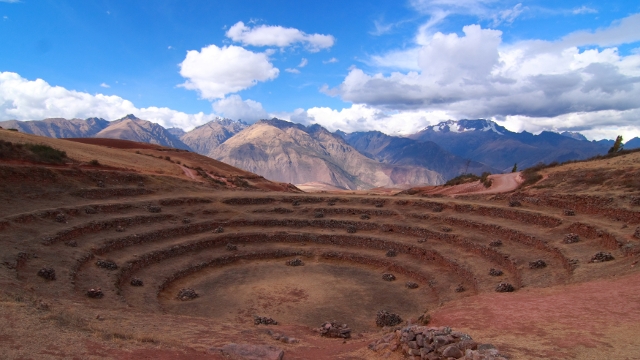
551,323
115,143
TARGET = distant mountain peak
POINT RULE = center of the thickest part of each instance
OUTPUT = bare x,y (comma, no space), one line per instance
574,135
129,117
461,126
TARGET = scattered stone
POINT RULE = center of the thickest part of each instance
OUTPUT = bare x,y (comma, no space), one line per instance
601,257
446,229
218,230
231,247
420,241
263,320
95,293
294,262
636,234
388,277
100,184
391,253
411,285
365,217
318,215
538,264
514,203
250,352
61,218
296,203
119,229
71,243
385,318
140,184
334,330
107,264
187,294
186,221
379,204
569,212
495,243
571,238
505,287
331,203
495,272
460,289
351,229
136,282
283,338
90,211
47,273
154,209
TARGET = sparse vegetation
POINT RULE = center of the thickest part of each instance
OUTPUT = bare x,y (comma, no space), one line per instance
31,152
94,162
484,179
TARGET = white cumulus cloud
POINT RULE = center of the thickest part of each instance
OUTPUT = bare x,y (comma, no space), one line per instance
23,99
233,107
105,85
265,35
217,71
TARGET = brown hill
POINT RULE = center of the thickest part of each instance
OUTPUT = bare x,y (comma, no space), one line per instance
288,152
206,138
134,129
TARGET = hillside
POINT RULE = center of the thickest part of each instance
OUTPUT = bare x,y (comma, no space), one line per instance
134,129
288,152
204,139
405,151
486,142
57,127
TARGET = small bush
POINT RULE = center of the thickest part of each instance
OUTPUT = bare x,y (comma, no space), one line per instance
94,162
462,179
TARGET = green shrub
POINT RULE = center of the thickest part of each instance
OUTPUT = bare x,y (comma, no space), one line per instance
94,162
46,154
462,179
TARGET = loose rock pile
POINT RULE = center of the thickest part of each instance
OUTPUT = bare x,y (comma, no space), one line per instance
351,229
136,282
571,238
119,229
95,293
538,264
505,287
218,230
107,264
47,273
385,318
435,343
61,218
391,253
282,337
495,272
186,221
388,277
318,215
154,209
187,294
231,247
365,217
496,243
411,285
263,320
636,234
294,262
460,289
514,203
569,212
334,330
601,257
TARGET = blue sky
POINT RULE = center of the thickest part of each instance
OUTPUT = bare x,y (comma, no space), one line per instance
353,65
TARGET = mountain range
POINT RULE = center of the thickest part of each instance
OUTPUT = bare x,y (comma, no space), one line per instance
287,152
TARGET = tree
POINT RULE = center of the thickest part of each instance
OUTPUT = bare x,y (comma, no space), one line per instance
515,168
617,146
